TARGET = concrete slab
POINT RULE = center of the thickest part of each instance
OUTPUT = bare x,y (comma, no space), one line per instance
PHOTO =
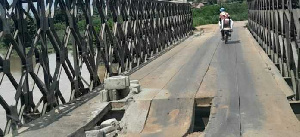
104,97
135,88
116,82
94,133
110,122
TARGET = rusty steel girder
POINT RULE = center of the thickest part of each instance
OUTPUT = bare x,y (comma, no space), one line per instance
130,32
275,25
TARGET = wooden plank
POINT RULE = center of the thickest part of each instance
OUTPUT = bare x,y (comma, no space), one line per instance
136,114
225,117
68,120
171,112
208,88
249,101
264,108
135,117
169,117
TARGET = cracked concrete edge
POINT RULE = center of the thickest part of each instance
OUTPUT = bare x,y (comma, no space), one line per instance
63,109
272,68
92,121
213,112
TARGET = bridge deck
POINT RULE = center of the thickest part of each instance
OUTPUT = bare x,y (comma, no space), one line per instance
249,95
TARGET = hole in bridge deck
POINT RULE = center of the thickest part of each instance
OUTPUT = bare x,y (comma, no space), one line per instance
202,109
117,114
296,108
201,118
117,111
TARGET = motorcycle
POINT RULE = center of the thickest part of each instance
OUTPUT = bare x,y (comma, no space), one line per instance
226,29
227,34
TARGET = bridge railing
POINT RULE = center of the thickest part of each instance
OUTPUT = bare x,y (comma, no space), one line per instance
84,37
276,26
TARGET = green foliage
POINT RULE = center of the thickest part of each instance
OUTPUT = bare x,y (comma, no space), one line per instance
60,16
81,25
210,14
60,26
29,33
97,24
212,1
5,42
110,23
2,44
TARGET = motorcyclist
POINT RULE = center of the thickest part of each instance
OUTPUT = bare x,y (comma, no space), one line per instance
224,15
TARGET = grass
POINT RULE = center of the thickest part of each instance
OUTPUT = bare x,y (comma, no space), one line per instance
210,14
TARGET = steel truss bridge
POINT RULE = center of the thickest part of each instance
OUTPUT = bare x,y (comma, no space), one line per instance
90,40
140,30
275,25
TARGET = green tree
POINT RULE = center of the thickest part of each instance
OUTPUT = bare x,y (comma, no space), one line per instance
213,1
29,35
31,30
6,40
59,17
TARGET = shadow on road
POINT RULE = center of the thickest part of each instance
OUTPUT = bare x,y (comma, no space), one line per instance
233,42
